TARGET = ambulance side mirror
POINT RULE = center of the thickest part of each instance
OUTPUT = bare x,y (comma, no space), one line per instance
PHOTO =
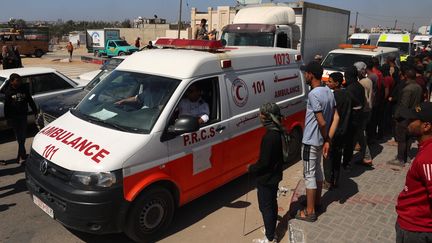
184,124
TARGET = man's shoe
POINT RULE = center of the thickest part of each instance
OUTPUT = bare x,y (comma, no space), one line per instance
396,162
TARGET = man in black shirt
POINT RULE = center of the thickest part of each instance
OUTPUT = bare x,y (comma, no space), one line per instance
268,169
17,99
357,95
343,105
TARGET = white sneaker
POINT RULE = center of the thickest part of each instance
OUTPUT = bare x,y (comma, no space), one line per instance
264,240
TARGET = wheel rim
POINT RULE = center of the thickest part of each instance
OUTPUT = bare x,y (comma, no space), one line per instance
151,215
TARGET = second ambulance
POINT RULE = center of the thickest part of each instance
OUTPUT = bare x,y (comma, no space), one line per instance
110,166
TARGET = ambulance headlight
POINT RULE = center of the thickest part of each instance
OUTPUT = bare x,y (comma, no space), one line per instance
94,179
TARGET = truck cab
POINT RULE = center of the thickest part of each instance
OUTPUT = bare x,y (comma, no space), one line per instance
271,26
117,48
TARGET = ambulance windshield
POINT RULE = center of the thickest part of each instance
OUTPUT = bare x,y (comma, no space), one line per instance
127,101
340,61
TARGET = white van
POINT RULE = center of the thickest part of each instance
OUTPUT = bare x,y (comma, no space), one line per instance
363,39
340,59
103,167
400,41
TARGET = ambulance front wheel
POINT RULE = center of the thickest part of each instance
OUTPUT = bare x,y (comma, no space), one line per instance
151,214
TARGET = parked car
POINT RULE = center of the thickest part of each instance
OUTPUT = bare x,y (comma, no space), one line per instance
44,84
57,106
108,64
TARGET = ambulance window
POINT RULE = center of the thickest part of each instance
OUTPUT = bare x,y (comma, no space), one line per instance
200,98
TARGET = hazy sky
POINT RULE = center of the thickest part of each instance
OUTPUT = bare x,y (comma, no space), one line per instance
371,12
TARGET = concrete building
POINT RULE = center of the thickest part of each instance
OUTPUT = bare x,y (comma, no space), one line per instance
216,18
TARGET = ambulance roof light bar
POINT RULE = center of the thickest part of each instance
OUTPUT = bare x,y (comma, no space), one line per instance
211,45
351,46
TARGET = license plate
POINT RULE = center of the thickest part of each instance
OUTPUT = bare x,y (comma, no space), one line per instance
43,206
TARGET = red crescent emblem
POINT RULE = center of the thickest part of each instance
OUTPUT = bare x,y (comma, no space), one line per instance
238,94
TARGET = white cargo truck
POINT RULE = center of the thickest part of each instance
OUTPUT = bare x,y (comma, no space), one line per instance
97,38
311,28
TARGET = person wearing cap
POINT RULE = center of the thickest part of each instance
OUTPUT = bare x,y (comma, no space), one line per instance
366,114
268,169
358,100
332,164
414,204
17,100
410,97
320,125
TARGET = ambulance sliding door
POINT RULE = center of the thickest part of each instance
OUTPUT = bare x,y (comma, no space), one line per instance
246,93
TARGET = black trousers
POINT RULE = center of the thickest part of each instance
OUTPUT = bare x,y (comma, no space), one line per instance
404,143
267,201
354,125
333,163
405,236
19,126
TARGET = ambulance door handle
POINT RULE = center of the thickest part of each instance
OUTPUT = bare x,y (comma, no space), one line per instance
220,129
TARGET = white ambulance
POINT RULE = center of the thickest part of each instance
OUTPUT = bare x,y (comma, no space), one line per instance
400,41
105,167
346,55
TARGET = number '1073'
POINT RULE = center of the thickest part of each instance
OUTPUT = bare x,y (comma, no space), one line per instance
282,59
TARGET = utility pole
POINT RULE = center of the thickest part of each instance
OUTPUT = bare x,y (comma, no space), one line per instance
395,24
355,24
412,28
179,20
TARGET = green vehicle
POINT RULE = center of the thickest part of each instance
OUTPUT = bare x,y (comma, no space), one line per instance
116,48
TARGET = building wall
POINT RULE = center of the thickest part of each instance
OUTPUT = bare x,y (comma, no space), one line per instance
184,34
148,33
216,18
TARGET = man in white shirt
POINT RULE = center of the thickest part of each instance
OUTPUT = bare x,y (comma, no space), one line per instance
194,105
150,97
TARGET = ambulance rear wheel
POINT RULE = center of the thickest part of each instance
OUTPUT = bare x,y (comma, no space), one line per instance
295,145
151,214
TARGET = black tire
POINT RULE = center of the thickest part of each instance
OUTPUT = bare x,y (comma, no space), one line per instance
121,53
295,145
151,213
38,53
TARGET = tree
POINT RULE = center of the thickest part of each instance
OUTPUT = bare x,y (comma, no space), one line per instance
126,23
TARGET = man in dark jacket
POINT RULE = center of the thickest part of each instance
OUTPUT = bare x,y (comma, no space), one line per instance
268,169
357,94
410,97
17,100
332,164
